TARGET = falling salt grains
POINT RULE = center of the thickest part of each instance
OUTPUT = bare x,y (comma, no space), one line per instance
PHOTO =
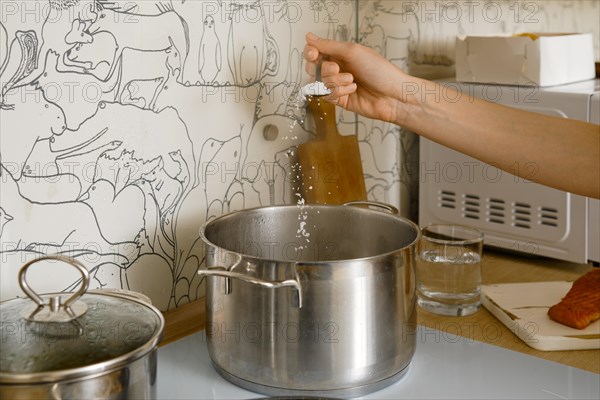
301,233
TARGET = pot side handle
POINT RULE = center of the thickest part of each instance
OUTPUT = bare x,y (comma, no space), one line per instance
222,272
388,207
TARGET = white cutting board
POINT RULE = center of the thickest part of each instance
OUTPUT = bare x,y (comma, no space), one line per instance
523,308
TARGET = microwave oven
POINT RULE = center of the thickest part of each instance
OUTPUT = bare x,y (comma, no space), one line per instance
513,213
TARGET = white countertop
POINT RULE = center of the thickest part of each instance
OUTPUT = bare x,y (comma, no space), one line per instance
444,367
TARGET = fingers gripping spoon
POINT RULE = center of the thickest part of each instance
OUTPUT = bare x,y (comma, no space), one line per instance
316,88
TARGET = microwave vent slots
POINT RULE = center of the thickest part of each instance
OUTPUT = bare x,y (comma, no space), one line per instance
490,211
496,211
522,215
471,206
447,199
549,216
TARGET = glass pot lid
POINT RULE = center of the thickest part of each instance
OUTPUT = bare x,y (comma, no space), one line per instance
63,335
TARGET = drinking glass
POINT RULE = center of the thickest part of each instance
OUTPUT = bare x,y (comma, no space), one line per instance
449,269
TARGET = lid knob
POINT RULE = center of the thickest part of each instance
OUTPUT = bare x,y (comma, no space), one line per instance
55,310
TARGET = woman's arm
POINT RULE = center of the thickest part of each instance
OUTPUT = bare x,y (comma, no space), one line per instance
556,152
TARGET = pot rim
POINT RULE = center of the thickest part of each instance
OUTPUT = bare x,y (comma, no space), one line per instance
93,370
410,223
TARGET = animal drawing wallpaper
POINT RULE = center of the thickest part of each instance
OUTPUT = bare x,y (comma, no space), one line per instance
125,125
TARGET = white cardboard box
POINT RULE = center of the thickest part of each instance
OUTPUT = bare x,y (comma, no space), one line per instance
549,60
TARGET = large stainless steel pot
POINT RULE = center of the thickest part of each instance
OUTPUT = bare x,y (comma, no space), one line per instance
99,345
312,300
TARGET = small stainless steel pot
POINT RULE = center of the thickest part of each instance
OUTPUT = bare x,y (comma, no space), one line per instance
91,346
312,300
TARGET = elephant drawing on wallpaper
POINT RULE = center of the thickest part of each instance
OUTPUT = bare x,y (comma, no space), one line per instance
218,191
144,183
25,124
55,177
163,135
220,171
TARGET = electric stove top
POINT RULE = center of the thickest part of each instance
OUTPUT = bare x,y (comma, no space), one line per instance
444,366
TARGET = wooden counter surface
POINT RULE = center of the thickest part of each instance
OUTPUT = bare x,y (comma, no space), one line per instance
484,327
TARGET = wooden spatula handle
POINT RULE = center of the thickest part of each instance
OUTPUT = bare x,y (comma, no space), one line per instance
323,114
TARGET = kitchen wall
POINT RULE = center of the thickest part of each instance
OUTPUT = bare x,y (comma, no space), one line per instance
125,125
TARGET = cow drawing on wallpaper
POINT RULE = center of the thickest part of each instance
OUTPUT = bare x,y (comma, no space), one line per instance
190,14
162,31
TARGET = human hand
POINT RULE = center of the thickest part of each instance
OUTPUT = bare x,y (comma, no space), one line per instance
361,79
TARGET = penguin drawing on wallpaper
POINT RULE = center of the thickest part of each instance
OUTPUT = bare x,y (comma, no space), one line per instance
209,59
